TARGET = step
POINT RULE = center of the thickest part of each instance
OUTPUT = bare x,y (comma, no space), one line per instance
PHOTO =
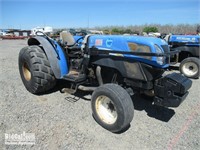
75,77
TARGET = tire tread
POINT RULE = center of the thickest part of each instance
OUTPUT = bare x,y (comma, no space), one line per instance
42,74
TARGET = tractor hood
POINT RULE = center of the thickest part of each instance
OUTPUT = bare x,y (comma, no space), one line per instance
120,43
133,44
187,39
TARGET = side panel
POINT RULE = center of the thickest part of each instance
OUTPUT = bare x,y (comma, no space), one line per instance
129,68
194,50
54,54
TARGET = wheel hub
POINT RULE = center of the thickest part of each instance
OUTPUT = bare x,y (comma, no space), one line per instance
26,72
190,68
106,109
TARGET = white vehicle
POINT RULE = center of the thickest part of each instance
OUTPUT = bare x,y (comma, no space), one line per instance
2,33
96,32
46,30
154,34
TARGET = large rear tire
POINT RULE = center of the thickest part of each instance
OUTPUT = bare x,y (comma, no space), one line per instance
112,107
190,67
35,70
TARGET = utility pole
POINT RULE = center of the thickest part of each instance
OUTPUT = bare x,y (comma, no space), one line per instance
88,22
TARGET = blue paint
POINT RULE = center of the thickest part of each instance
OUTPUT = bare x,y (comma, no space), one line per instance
120,43
109,42
62,61
76,37
193,40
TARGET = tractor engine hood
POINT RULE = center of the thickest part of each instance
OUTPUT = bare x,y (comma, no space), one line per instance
153,51
185,39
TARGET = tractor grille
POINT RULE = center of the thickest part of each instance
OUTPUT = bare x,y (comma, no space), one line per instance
165,48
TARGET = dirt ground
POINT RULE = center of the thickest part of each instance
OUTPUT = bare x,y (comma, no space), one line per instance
63,121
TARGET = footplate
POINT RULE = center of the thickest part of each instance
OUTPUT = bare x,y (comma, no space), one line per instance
171,90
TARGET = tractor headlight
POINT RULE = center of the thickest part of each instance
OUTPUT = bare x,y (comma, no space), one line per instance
136,47
159,60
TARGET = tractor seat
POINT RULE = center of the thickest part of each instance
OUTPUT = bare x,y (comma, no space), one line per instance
67,39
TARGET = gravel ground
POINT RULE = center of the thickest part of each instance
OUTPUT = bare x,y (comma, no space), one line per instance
59,122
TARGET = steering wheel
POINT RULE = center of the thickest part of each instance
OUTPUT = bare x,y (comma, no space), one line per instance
81,38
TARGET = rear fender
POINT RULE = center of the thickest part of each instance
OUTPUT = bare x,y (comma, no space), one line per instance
54,53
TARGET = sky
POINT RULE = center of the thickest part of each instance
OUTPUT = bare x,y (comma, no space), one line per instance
27,14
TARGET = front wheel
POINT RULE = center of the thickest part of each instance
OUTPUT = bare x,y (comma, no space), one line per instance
112,107
190,67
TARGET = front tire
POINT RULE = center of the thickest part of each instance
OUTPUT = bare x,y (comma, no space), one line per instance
190,67
112,107
35,70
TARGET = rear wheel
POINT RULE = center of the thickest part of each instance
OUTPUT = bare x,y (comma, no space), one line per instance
35,70
190,67
112,107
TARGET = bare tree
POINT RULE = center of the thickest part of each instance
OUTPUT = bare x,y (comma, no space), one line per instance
168,28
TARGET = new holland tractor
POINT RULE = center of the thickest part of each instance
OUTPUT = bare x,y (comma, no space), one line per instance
113,67
189,47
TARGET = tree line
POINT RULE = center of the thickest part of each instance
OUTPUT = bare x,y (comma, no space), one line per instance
139,29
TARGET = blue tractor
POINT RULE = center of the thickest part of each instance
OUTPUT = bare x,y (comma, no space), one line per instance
189,47
113,67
